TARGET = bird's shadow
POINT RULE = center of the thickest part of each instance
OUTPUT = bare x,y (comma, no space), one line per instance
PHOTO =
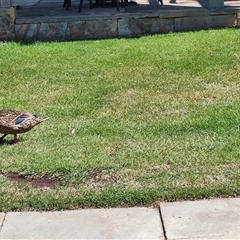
7,142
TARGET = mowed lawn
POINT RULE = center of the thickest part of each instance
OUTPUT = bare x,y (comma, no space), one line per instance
131,121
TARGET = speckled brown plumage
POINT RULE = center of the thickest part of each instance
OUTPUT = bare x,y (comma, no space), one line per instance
15,122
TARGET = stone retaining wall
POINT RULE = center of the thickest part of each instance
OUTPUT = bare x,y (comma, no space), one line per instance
122,25
7,24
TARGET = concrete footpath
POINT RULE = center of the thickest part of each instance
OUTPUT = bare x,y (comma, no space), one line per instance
205,219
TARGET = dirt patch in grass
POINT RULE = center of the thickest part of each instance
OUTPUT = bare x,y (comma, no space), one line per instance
100,175
34,181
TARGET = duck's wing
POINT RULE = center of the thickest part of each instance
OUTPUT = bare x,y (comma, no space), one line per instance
8,117
23,116
7,121
13,117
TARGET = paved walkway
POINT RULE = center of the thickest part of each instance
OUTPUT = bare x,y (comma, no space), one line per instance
205,219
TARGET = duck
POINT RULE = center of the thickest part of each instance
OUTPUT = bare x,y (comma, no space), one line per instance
16,122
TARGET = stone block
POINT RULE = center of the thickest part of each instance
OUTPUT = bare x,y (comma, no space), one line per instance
206,22
222,21
141,26
52,31
97,29
225,11
5,3
26,31
184,13
7,18
41,31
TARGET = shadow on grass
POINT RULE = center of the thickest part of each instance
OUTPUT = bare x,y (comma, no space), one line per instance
7,142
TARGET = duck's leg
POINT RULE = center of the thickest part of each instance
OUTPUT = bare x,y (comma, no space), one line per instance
2,137
15,138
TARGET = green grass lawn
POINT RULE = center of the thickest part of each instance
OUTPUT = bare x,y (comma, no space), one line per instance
131,121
